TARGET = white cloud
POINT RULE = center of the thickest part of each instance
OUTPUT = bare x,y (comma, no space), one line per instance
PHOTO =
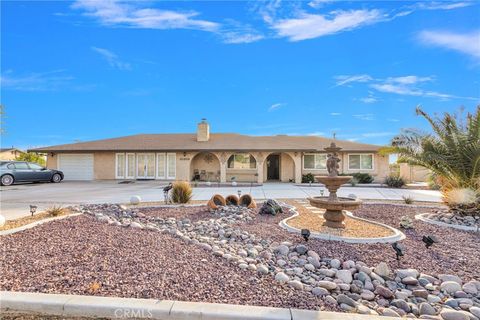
467,43
276,106
442,5
308,26
316,133
344,80
364,116
114,13
46,81
318,3
335,114
377,134
112,59
409,85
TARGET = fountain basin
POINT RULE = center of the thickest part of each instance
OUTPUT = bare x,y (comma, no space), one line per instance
334,215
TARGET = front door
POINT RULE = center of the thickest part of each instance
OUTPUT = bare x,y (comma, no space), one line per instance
146,166
273,167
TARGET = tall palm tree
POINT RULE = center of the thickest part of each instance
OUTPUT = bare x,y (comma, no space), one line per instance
451,151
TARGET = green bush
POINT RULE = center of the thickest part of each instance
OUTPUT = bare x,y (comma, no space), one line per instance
181,192
394,181
363,177
307,178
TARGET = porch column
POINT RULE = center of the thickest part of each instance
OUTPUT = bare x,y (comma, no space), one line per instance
297,159
223,167
260,158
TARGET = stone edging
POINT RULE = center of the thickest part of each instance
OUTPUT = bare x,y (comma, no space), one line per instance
422,217
398,235
114,308
36,223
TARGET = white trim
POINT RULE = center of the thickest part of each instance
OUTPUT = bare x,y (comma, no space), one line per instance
124,167
164,166
167,172
361,154
127,164
314,154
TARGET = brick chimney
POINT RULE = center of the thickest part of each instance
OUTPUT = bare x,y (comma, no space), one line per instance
203,131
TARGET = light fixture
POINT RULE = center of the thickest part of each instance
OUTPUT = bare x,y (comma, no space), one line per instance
166,190
33,209
429,241
322,192
305,234
399,249
184,154
239,193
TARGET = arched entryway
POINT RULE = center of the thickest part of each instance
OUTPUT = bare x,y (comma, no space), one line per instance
205,166
279,167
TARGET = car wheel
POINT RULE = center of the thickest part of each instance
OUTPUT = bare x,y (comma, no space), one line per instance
7,180
56,178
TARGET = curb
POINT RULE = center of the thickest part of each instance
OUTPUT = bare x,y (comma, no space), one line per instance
422,217
37,223
127,308
398,235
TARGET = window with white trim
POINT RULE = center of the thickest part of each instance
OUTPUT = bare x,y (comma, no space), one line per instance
315,161
360,161
242,161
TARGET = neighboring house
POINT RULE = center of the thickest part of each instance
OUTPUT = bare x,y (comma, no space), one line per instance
414,173
10,153
210,157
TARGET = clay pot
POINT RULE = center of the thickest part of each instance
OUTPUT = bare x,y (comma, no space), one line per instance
216,201
232,200
246,200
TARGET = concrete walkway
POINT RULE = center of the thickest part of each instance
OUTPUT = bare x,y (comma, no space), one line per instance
15,200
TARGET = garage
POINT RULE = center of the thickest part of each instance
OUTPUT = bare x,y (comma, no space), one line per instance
76,166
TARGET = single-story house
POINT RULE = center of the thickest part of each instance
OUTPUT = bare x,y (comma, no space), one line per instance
213,157
10,153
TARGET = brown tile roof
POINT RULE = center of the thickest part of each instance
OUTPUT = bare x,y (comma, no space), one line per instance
217,142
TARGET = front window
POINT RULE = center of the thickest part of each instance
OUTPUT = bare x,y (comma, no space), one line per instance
360,162
242,161
315,161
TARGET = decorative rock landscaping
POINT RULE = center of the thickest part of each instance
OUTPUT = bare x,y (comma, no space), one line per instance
351,285
471,222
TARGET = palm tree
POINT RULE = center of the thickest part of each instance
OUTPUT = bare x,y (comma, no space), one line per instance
451,152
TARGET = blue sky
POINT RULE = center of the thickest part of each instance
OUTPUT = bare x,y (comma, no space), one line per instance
88,70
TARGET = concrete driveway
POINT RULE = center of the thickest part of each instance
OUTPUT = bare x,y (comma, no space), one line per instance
15,200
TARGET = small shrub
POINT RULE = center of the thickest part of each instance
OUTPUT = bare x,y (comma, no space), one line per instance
181,192
433,181
363,177
55,211
394,181
307,178
407,199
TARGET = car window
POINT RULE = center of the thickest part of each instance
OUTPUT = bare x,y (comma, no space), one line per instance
21,165
11,166
35,166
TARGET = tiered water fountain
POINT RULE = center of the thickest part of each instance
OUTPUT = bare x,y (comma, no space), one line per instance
334,205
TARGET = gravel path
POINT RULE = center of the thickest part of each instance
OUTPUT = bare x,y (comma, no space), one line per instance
456,254
68,256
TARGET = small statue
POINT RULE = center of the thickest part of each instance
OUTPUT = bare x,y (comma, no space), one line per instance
332,164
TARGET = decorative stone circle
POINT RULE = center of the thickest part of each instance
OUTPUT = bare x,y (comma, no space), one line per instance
397,234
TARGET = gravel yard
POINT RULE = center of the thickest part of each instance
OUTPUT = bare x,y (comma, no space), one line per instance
70,255
82,255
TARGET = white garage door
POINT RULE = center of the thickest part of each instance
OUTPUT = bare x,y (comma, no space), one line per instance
76,166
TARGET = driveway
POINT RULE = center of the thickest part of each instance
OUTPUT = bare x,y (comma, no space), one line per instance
15,200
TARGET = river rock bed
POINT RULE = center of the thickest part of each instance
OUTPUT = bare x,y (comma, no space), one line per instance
450,218
292,264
